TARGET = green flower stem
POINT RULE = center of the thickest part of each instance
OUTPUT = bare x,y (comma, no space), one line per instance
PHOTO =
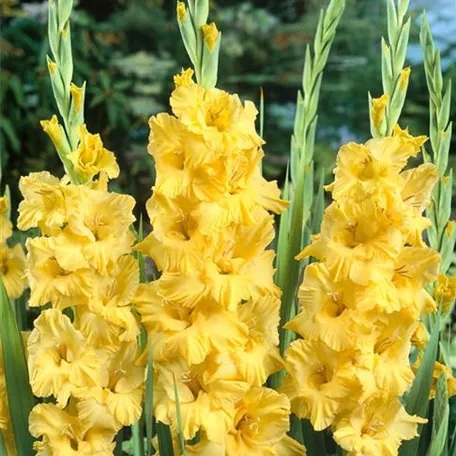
70,104
191,22
292,232
394,76
442,236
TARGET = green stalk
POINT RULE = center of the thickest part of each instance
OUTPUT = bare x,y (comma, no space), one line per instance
68,97
300,188
191,22
442,235
394,76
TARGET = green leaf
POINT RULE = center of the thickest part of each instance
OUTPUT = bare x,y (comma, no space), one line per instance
20,397
137,437
2,445
165,442
149,400
179,420
319,204
313,440
10,133
440,418
416,401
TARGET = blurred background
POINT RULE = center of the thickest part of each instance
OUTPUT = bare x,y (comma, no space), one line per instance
128,50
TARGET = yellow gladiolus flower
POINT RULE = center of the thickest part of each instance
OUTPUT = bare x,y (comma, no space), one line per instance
49,282
376,427
84,429
379,110
121,388
44,203
212,316
319,381
260,423
77,96
185,78
362,302
53,129
6,227
60,361
91,158
12,270
446,291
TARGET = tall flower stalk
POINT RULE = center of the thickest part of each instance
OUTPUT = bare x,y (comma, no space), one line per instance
213,314
83,350
293,233
363,301
442,232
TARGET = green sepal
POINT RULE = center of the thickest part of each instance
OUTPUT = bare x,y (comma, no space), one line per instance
402,6
444,149
210,64
64,8
399,58
53,29
447,249
307,72
201,12
446,187
189,38
76,117
66,59
392,22
440,418
387,69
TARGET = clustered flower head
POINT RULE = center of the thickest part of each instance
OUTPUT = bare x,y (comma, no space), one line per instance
12,260
361,302
83,350
213,314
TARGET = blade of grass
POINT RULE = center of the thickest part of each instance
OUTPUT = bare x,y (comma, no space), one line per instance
149,401
179,420
165,442
417,400
20,397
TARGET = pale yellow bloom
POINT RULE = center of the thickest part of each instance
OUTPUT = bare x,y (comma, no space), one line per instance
54,130
59,359
77,95
91,158
44,204
379,110
376,427
211,34
185,78
83,429
12,270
